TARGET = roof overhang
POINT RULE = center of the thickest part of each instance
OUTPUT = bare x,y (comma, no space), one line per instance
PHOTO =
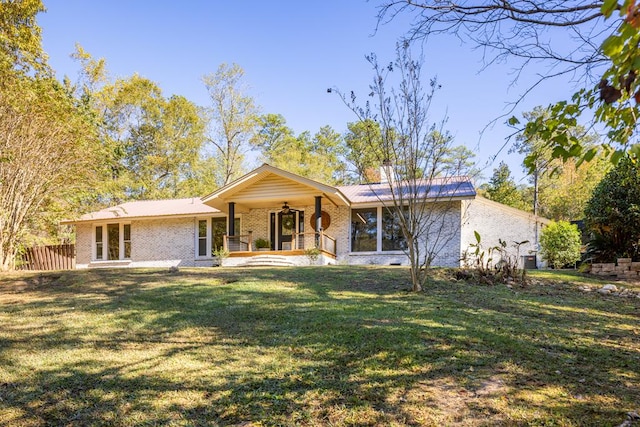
268,187
146,210
126,219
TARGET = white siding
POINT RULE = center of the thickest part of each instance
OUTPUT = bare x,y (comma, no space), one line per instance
494,221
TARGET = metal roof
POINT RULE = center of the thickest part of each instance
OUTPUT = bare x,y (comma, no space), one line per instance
149,208
436,189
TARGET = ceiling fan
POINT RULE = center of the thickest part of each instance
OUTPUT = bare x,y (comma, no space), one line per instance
286,209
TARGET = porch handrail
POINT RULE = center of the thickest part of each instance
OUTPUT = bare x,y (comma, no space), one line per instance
239,243
297,240
326,242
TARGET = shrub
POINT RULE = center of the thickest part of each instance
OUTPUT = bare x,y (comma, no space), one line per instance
219,255
612,215
262,243
312,254
560,243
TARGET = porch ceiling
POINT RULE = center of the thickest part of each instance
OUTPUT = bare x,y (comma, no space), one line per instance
269,187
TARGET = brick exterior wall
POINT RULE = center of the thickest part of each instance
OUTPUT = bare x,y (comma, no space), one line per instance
163,243
154,243
84,233
447,233
256,221
494,221
171,242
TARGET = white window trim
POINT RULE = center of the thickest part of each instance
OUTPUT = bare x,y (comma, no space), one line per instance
378,251
196,233
105,242
207,238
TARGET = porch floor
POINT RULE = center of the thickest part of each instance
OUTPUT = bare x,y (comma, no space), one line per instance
295,252
258,253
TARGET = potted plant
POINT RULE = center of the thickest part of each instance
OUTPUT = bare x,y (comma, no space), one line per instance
263,244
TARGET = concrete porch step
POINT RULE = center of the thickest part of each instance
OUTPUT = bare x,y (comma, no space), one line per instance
267,261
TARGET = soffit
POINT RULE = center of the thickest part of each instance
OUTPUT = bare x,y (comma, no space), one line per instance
270,187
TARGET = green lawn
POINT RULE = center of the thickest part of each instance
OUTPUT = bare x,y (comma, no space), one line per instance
312,346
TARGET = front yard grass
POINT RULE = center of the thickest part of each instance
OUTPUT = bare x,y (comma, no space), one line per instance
313,346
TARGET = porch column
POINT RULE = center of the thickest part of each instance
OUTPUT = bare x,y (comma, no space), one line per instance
318,219
232,216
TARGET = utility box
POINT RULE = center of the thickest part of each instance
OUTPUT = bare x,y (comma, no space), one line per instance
529,262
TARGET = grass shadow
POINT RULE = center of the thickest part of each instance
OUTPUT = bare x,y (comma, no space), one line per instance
310,346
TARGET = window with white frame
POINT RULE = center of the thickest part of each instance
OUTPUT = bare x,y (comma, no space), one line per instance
112,242
376,229
202,237
210,232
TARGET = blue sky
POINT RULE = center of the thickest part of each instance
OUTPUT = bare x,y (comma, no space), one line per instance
291,53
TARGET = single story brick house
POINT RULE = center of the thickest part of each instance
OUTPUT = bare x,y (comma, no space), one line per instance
290,214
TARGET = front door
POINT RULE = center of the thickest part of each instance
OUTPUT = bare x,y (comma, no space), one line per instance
282,228
286,228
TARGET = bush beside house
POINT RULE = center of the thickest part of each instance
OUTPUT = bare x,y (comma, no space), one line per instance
560,242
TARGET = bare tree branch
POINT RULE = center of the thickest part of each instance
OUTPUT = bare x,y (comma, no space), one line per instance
523,29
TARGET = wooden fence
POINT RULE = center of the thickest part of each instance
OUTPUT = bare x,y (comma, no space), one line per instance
53,257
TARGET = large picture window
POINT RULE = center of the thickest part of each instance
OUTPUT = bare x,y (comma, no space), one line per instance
112,242
376,229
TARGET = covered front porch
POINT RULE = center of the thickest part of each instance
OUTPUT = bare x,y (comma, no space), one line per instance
303,249
278,214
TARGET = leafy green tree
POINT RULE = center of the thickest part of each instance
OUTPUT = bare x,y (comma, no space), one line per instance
502,188
155,140
325,159
47,151
564,192
560,188
151,144
561,242
363,140
363,150
175,146
613,213
47,147
271,134
20,38
459,160
233,115
319,157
